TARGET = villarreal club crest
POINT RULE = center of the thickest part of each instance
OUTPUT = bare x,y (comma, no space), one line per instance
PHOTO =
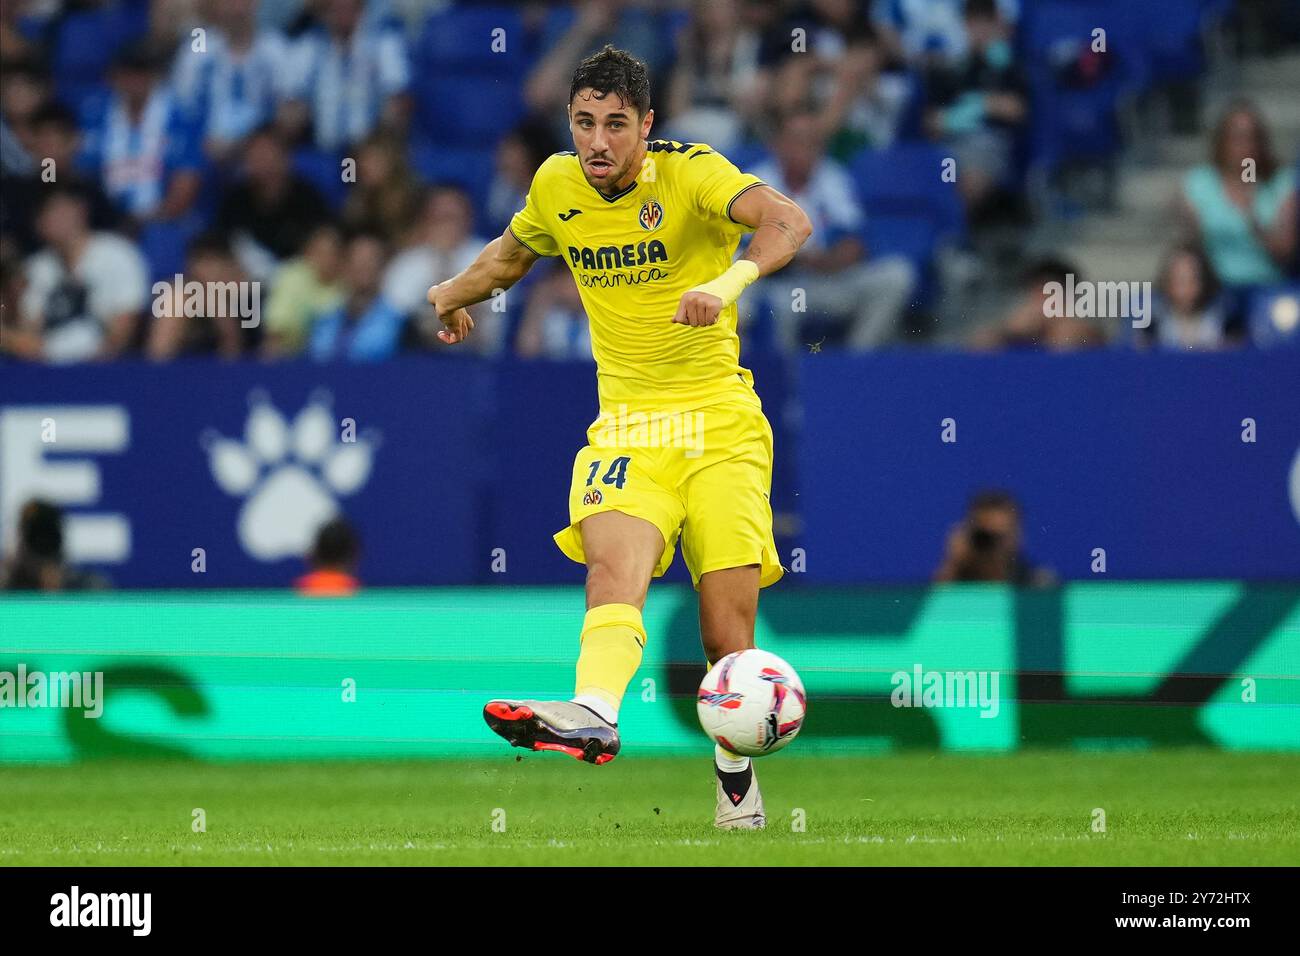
651,215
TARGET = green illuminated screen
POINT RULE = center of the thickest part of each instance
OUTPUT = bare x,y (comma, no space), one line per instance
404,673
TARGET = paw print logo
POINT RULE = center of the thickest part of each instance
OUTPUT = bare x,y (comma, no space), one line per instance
290,474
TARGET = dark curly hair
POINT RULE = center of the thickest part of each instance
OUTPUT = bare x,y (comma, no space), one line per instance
614,71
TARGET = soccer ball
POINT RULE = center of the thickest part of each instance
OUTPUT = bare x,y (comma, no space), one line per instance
751,702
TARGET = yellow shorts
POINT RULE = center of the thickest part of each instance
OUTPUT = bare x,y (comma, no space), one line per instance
703,475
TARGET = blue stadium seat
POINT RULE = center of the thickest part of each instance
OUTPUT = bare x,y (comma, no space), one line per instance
912,237
1047,24
462,39
467,109
746,156
470,167
322,170
85,45
165,244
1172,36
1215,10
559,18
1273,317
759,334
911,120
1078,125
1076,117
906,180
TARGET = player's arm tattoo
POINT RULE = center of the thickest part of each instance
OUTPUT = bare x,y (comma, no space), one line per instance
756,250
775,243
782,227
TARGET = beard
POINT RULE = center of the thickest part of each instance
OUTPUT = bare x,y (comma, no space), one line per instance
609,182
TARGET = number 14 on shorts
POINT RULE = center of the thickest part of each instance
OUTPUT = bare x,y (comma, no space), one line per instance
615,475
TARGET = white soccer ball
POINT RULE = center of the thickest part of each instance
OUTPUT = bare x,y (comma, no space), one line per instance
751,702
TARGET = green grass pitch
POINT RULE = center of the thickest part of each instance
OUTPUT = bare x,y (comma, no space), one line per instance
1161,808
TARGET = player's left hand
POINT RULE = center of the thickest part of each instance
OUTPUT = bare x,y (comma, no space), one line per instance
698,308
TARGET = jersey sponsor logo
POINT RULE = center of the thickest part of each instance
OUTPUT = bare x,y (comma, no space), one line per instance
608,267
651,215
617,257
566,216
612,280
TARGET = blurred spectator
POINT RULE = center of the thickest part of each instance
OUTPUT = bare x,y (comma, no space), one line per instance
304,288
831,22
385,197
215,330
37,563
986,545
641,29
14,46
56,141
269,214
518,156
977,102
555,324
710,90
445,246
24,90
342,80
16,337
347,78
365,327
868,103
235,84
170,21
1029,326
832,267
142,146
85,289
759,49
333,562
1188,312
1242,205
297,18
806,62
1295,225
14,159
927,32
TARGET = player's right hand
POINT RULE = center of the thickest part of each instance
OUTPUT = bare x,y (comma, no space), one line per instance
698,308
457,321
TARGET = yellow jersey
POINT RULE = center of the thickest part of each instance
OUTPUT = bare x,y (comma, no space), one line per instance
633,255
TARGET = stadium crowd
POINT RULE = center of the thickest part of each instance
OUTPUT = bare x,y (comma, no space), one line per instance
345,155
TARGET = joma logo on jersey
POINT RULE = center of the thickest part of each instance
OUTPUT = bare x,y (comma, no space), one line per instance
651,215
618,257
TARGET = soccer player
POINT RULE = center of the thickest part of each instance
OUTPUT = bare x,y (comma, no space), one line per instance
681,447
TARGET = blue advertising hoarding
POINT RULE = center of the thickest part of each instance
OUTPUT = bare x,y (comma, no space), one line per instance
455,471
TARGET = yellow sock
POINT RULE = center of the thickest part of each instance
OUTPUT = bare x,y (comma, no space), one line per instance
612,638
